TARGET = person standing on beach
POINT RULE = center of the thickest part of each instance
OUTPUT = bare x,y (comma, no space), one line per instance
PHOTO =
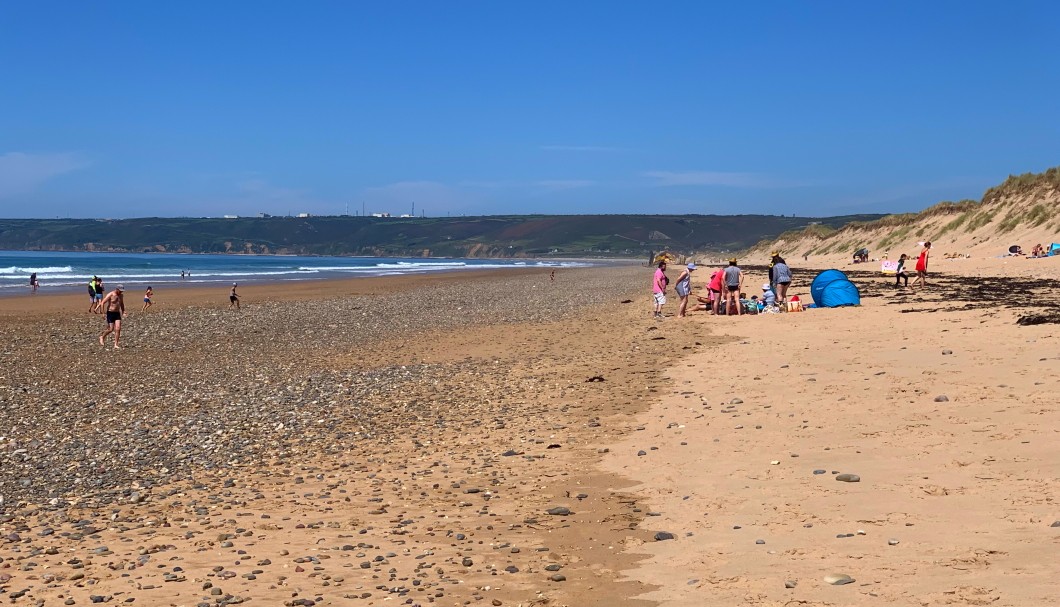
233,298
91,294
114,304
96,288
716,285
921,266
658,289
733,286
147,299
900,272
33,281
780,278
683,288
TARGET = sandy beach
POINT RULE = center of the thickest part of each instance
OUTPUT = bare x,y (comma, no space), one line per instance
499,438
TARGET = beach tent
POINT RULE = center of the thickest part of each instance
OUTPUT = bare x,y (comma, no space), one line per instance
1054,249
832,289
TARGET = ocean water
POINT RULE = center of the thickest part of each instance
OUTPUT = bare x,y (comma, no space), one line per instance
135,270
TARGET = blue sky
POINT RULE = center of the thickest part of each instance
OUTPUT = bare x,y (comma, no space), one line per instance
124,109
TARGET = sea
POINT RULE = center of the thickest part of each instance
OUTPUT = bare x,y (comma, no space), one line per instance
65,271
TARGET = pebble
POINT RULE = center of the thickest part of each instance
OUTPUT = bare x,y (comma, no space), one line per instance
558,577
663,536
838,579
790,584
892,542
848,478
819,471
942,398
760,542
1055,524
558,511
947,352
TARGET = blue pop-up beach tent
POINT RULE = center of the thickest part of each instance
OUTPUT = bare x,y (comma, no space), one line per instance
832,289
1054,249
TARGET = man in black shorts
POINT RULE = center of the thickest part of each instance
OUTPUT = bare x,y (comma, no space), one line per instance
114,306
733,285
233,298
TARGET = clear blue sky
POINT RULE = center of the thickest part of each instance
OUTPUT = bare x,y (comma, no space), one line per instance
123,109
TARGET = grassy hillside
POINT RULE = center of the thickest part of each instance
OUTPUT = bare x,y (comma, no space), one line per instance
1024,210
490,236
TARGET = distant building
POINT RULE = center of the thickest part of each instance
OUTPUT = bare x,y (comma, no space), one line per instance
303,215
407,215
264,215
231,216
380,214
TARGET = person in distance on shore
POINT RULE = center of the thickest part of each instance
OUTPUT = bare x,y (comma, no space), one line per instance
91,294
658,289
147,299
733,286
114,304
921,266
233,298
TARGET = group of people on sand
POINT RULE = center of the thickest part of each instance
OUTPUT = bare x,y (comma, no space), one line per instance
113,306
724,294
901,274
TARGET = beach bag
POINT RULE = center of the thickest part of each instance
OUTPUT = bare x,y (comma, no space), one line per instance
795,306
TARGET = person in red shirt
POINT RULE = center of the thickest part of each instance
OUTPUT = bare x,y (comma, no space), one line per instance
921,266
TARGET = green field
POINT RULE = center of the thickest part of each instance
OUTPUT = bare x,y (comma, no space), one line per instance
487,236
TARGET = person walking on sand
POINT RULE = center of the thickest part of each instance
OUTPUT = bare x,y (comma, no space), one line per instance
683,288
147,299
233,298
658,289
114,304
733,286
552,276
922,265
900,273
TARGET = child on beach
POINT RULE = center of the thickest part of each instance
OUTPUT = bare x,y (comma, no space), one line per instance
900,272
147,299
233,298
658,289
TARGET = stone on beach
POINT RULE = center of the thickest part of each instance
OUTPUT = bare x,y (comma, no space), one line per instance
838,579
